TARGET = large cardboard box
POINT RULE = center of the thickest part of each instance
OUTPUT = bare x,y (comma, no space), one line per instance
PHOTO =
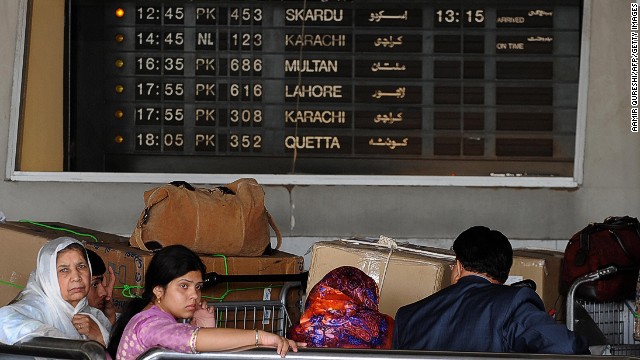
543,267
20,243
404,275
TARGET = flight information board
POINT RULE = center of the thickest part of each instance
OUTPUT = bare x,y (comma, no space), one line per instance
409,87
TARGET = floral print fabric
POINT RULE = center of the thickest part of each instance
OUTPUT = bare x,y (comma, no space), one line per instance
341,311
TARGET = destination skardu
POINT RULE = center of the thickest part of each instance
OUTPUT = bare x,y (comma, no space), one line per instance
322,15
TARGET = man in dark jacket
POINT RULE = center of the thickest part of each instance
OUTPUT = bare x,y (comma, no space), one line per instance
478,313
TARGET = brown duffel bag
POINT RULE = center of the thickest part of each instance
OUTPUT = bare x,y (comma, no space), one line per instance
230,220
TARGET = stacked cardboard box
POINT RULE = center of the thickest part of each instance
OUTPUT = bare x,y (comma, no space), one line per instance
20,243
543,267
404,275
414,272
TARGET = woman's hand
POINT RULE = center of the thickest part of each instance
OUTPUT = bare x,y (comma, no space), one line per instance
281,343
87,327
204,316
109,283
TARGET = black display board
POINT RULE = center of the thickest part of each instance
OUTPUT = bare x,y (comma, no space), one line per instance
322,87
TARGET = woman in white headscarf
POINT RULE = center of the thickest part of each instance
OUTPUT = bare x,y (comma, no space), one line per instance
54,302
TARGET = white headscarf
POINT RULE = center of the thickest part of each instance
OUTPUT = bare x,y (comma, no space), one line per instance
40,309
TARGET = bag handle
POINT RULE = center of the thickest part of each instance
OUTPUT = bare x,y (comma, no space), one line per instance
622,221
624,249
275,228
611,224
152,199
136,237
184,184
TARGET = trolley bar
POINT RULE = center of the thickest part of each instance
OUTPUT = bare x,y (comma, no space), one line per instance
252,353
581,280
213,278
56,348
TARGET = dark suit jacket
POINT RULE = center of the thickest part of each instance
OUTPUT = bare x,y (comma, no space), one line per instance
476,315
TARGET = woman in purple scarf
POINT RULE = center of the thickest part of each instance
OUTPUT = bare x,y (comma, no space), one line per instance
341,311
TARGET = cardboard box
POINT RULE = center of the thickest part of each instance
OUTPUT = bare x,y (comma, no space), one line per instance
540,265
403,275
543,267
20,243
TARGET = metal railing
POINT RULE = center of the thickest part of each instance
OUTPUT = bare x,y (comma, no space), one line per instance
90,350
55,348
357,354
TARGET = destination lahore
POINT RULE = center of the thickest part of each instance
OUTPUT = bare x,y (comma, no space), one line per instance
313,91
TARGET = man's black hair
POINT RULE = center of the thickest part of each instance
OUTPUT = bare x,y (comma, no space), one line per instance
484,251
97,264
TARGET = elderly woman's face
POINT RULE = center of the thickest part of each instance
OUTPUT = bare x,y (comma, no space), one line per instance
74,276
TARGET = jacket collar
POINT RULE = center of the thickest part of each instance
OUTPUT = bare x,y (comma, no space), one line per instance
476,279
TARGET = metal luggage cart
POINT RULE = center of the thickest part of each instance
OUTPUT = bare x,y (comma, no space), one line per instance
267,315
614,320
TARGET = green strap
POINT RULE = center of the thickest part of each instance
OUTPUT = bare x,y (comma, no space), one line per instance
59,228
12,284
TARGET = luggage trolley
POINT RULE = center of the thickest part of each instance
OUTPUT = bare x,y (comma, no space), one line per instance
609,324
267,315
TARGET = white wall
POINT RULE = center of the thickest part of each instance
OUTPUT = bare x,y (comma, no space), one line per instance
430,215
